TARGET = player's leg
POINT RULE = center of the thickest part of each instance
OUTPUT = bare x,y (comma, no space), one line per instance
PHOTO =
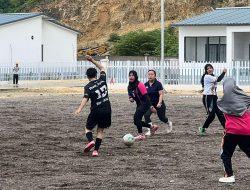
14,79
148,120
104,121
17,79
228,147
208,101
220,115
140,111
161,112
91,123
244,144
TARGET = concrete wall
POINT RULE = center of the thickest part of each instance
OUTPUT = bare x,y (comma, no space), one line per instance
17,44
59,44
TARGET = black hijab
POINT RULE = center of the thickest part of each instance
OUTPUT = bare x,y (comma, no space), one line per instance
133,85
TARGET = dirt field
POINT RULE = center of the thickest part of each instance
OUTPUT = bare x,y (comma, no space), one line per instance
41,147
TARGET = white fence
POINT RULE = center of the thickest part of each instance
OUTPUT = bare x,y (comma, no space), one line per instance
188,73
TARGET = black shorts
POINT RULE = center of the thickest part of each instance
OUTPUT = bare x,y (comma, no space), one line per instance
100,117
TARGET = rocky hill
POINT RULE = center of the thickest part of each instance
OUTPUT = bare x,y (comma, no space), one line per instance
97,19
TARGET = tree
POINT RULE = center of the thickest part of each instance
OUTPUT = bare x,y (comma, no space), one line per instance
140,43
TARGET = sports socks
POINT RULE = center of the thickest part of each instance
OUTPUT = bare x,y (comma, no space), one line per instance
89,136
98,143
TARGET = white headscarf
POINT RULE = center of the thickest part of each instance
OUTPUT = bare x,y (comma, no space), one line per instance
234,101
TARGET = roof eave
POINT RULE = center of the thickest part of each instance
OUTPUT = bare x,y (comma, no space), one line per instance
39,14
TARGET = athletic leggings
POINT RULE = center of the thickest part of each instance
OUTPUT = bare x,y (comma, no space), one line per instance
160,112
210,104
228,147
140,111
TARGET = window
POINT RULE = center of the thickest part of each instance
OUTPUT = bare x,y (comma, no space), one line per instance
205,49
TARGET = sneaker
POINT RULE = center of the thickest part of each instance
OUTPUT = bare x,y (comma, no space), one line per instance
148,133
202,131
227,179
169,126
89,146
95,153
153,129
140,137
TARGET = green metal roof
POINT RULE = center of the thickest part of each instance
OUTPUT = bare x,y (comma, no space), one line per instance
230,16
7,18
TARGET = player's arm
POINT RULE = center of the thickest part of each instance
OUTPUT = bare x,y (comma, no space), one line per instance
97,64
222,75
144,93
161,93
82,105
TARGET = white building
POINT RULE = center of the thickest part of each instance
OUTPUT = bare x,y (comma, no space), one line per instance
33,38
222,35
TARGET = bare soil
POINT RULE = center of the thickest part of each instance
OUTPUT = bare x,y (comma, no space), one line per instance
41,147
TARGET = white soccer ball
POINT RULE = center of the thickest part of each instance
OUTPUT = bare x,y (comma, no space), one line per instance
128,140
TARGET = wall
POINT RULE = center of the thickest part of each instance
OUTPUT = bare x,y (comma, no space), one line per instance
16,42
197,31
59,44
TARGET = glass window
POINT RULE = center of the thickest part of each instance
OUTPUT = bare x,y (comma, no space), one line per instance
201,48
223,40
190,49
214,40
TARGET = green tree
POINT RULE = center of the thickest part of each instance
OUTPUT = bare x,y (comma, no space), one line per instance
15,5
141,43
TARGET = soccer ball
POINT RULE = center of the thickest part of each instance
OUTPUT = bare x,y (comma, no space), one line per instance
128,140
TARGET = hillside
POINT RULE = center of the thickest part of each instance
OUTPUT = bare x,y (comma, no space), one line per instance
97,19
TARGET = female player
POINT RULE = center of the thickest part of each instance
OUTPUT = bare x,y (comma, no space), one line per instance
209,82
156,93
234,105
138,93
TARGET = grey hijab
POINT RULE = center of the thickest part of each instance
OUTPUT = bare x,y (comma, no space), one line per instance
234,101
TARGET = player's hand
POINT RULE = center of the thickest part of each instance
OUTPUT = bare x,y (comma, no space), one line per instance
153,109
77,112
131,100
225,70
89,58
158,105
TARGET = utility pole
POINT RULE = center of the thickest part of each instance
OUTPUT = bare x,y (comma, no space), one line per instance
162,43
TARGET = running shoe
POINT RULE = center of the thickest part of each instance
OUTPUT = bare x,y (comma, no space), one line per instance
202,131
230,179
153,129
140,137
89,146
169,126
95,153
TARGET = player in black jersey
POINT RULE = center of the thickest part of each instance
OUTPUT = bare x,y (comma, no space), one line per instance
100,112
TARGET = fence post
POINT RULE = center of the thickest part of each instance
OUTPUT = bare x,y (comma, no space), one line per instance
193,72
128,69
237,72
39,71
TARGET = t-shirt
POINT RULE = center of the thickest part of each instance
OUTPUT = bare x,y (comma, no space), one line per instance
210,85
138,94
15,70
97,91
238,125
153,91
